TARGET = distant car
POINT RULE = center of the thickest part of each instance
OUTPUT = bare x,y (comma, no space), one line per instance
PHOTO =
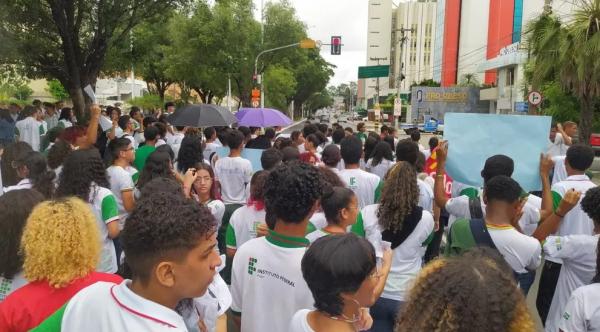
595,143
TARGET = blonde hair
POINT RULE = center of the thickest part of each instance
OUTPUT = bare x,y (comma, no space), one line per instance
60,242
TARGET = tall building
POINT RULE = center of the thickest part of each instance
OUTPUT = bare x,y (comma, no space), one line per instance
413,37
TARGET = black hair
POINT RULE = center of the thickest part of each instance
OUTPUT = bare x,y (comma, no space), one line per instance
309,129
384,129
134,110
331,155
291,191
243,129
116,146
58,153
497,165
253,130
54,133
162,129
150,133
12,152
270,133
351,150
166,148
15,207
41,178
502,188
163,119
313,139
290,153
157,165
295,134
283,142
161,184
270,158
433,143
322,128
415,136
370,144
169,104
580,157
334,200
334,265
590,204
190,153
163,227
65,114
209,132
235,139
81,169
321,136
338,135
382,151
257,185
389,139
420,165
148,121
349,129
407,150
124,121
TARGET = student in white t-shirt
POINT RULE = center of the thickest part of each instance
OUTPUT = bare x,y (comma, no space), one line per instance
366,186
342,273
582,311
210,134
33,170
248,222
381,160
15,207
407,150
575,222
332,157
201,187
266,270
175,139
561,138
122,176
66,117
169,244
30,129
340,207
84,176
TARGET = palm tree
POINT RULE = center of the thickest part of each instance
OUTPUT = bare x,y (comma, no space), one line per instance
568,52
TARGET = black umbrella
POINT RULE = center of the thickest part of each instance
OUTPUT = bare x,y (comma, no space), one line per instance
202,115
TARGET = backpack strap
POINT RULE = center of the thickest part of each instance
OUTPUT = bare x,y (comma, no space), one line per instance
475,208
480,233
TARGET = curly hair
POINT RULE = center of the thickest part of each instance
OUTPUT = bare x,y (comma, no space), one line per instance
58,153
160,184
15,207
190,153
157,165
81,169
12,152
399,196
291,190
330,178
163,227
472,292
60,242
41,178
590,204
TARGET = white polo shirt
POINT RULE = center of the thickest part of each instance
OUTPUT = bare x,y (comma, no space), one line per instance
575,221
582,312
523,253
121,180
243,225
558,147
578,256
380,169
106,210
364,184
29,131
105,306
425,195
209,149
560,171
266,274
234,174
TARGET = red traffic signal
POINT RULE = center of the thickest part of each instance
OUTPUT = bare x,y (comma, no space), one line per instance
336,45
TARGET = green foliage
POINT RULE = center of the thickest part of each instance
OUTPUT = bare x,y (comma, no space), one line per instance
13,85
319,100
428,82
57,90
469,80
280,85
149,101
561,105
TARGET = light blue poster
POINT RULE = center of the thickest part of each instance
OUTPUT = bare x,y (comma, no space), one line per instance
472,138
251,154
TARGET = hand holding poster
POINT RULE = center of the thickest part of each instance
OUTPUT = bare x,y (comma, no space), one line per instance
473,138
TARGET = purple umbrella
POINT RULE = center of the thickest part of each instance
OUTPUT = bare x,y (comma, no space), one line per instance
261,117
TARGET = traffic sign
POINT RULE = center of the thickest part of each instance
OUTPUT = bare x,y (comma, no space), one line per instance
535,98
397,107
255,103
521,106
374,71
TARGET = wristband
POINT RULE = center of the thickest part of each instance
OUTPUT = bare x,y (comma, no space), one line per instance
558,215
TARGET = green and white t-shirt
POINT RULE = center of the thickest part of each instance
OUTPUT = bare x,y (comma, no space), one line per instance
365,185
121,180
243,225
575,221
266,274
317,234
106,210
582,312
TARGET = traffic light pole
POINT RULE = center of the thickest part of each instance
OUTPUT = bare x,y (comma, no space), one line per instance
262,98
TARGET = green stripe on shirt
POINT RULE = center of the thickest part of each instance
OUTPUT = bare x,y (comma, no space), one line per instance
359,226
230,237
556,198
378,192
110,208
470,192
53,323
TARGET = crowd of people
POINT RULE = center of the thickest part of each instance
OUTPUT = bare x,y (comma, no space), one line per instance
146,226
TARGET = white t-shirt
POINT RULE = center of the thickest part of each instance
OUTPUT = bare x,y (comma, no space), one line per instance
381,168
314,236
578,256
318,220
243,225
575,221
266,273
209,149
174,141
523,253
299,322
234,174
29,131
560,171
582,312
406,258
121,180
425,195
8,286
106,210
65,123
363,184
217,209
558,147
208,308
23,184
105,306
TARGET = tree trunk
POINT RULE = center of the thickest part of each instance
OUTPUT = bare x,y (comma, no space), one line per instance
297,110
586,119
78,100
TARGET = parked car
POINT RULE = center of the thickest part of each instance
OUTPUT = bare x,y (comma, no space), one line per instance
595,143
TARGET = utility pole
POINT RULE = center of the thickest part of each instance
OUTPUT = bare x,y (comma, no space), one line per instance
376,99
402,40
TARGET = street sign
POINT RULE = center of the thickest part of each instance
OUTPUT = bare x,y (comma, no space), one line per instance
535,98
255,103
521,106
397,107
374,71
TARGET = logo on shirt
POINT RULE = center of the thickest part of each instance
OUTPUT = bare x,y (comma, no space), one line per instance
352,182
566,316
252,265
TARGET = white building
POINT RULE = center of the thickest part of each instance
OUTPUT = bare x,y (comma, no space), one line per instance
379,34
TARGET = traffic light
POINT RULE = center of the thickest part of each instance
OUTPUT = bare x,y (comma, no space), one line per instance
336,45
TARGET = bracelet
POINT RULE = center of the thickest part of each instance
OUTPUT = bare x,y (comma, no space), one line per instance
439,175
558,215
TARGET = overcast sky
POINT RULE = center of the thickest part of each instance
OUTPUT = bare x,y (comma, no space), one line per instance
326,18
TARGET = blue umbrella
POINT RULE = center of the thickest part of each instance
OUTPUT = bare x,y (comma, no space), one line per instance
262,117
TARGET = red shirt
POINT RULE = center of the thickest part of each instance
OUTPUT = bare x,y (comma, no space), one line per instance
29,305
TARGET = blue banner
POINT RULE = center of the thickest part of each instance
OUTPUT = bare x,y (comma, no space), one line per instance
472,138
251,154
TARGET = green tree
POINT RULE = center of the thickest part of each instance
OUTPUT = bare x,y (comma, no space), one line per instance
13,84
469,80
568,53
57,90
319,100
68,40
280,87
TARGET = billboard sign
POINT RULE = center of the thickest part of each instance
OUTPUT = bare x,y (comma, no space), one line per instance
435,102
